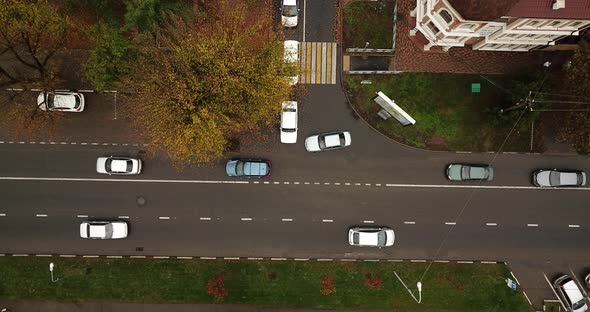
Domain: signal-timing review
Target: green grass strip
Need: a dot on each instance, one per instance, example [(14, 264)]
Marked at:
[(446, 286)]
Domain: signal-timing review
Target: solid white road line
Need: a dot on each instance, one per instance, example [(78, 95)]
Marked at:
[(121, 180)]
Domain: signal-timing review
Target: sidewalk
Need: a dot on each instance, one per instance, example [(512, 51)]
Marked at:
[(44, 306)]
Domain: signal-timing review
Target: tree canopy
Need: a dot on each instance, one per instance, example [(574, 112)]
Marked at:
[(219, 79)]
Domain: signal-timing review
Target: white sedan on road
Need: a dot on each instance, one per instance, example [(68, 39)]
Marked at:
[(118, 165), (327, 141), (371, 236), (289, 122), (103, 230), (71, 102), (559, 178)]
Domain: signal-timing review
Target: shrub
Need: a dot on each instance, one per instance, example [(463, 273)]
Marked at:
[(372, 281), (327, 285), (216, 287)]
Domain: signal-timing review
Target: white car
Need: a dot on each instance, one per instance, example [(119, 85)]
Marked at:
[(371, 236), (118, 165), (289, 13), (327, 141), (570, 294), (71, 102), (289, 122), (103, 230), (291, 54), (559, 178)]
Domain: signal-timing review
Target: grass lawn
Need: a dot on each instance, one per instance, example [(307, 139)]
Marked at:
[(448, 116), (446, 287), (368, 21)]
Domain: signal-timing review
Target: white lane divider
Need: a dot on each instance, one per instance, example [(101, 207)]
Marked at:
[(164, 218), (368, 221), (41, 215), (491, 224), (573, 225), (205, 219), (82, 216), (450, 223), (246, 219), (327, 220), (409, 222), (123, 217), (2, 215), (287, 220), (532, 225)]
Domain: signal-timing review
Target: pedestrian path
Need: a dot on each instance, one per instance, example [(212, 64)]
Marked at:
[(318, 62)]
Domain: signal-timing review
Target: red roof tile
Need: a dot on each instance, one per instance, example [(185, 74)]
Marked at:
[(574, 9)]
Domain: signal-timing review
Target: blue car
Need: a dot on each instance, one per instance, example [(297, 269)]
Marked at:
[(248, 168)]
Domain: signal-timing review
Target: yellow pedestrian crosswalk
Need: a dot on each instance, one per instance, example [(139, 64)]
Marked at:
[(318, 62)]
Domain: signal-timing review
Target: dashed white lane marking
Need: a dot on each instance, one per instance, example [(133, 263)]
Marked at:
[(205, 219), (164, 218), (121, 180), (2, 215), (278, 259), (532, 225), (287, 220), (450, 223), (409, 222), (491, 224), (573, 225), (41, 215), (123, 217), (82, 216), (368, 221), (337, 183), (286, 182), (246, 219), (327, 220)]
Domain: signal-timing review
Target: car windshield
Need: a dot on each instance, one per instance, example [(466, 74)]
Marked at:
[(579, 304), (290, 10), (381, 238), (77, 105), (49, 97), (108, 230), (240, 168), (355, 238), (554, 178)]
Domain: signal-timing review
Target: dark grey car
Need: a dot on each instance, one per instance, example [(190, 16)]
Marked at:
[(463, 172)]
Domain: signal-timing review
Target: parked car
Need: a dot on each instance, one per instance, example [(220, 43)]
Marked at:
[(371, 236), (587, 280), (558, 178), (570, 294), (248, 168), (327, 141), (463, 172), (118, 165), (291, 54), (289, 12), (103, 230), (289, 122), (71, 102)]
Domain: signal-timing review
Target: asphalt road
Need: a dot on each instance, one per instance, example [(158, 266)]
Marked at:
[(49, 185)]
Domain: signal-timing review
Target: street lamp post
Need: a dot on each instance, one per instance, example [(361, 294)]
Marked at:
[(418, 285), (51, 266)]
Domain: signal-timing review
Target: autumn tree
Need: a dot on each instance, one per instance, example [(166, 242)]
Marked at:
[(32, 32), (221, 78), (574, 128)]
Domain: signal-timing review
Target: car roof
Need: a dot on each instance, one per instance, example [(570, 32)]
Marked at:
[(255, 168), (289, 119), (119, 165), (568, 178), (477, 172), (368, 238), (64, 100), (332, 140), (97, 230), (573, 291)]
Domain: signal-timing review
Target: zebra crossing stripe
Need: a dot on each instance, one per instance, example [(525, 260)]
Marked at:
[(334, 62), (323, 76), (318, 62), (329, 61), (302, 75)]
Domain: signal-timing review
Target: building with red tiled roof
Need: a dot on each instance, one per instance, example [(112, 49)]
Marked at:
[(497, 25)]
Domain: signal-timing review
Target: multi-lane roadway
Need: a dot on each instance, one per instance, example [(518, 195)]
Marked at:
[(49, 185)]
